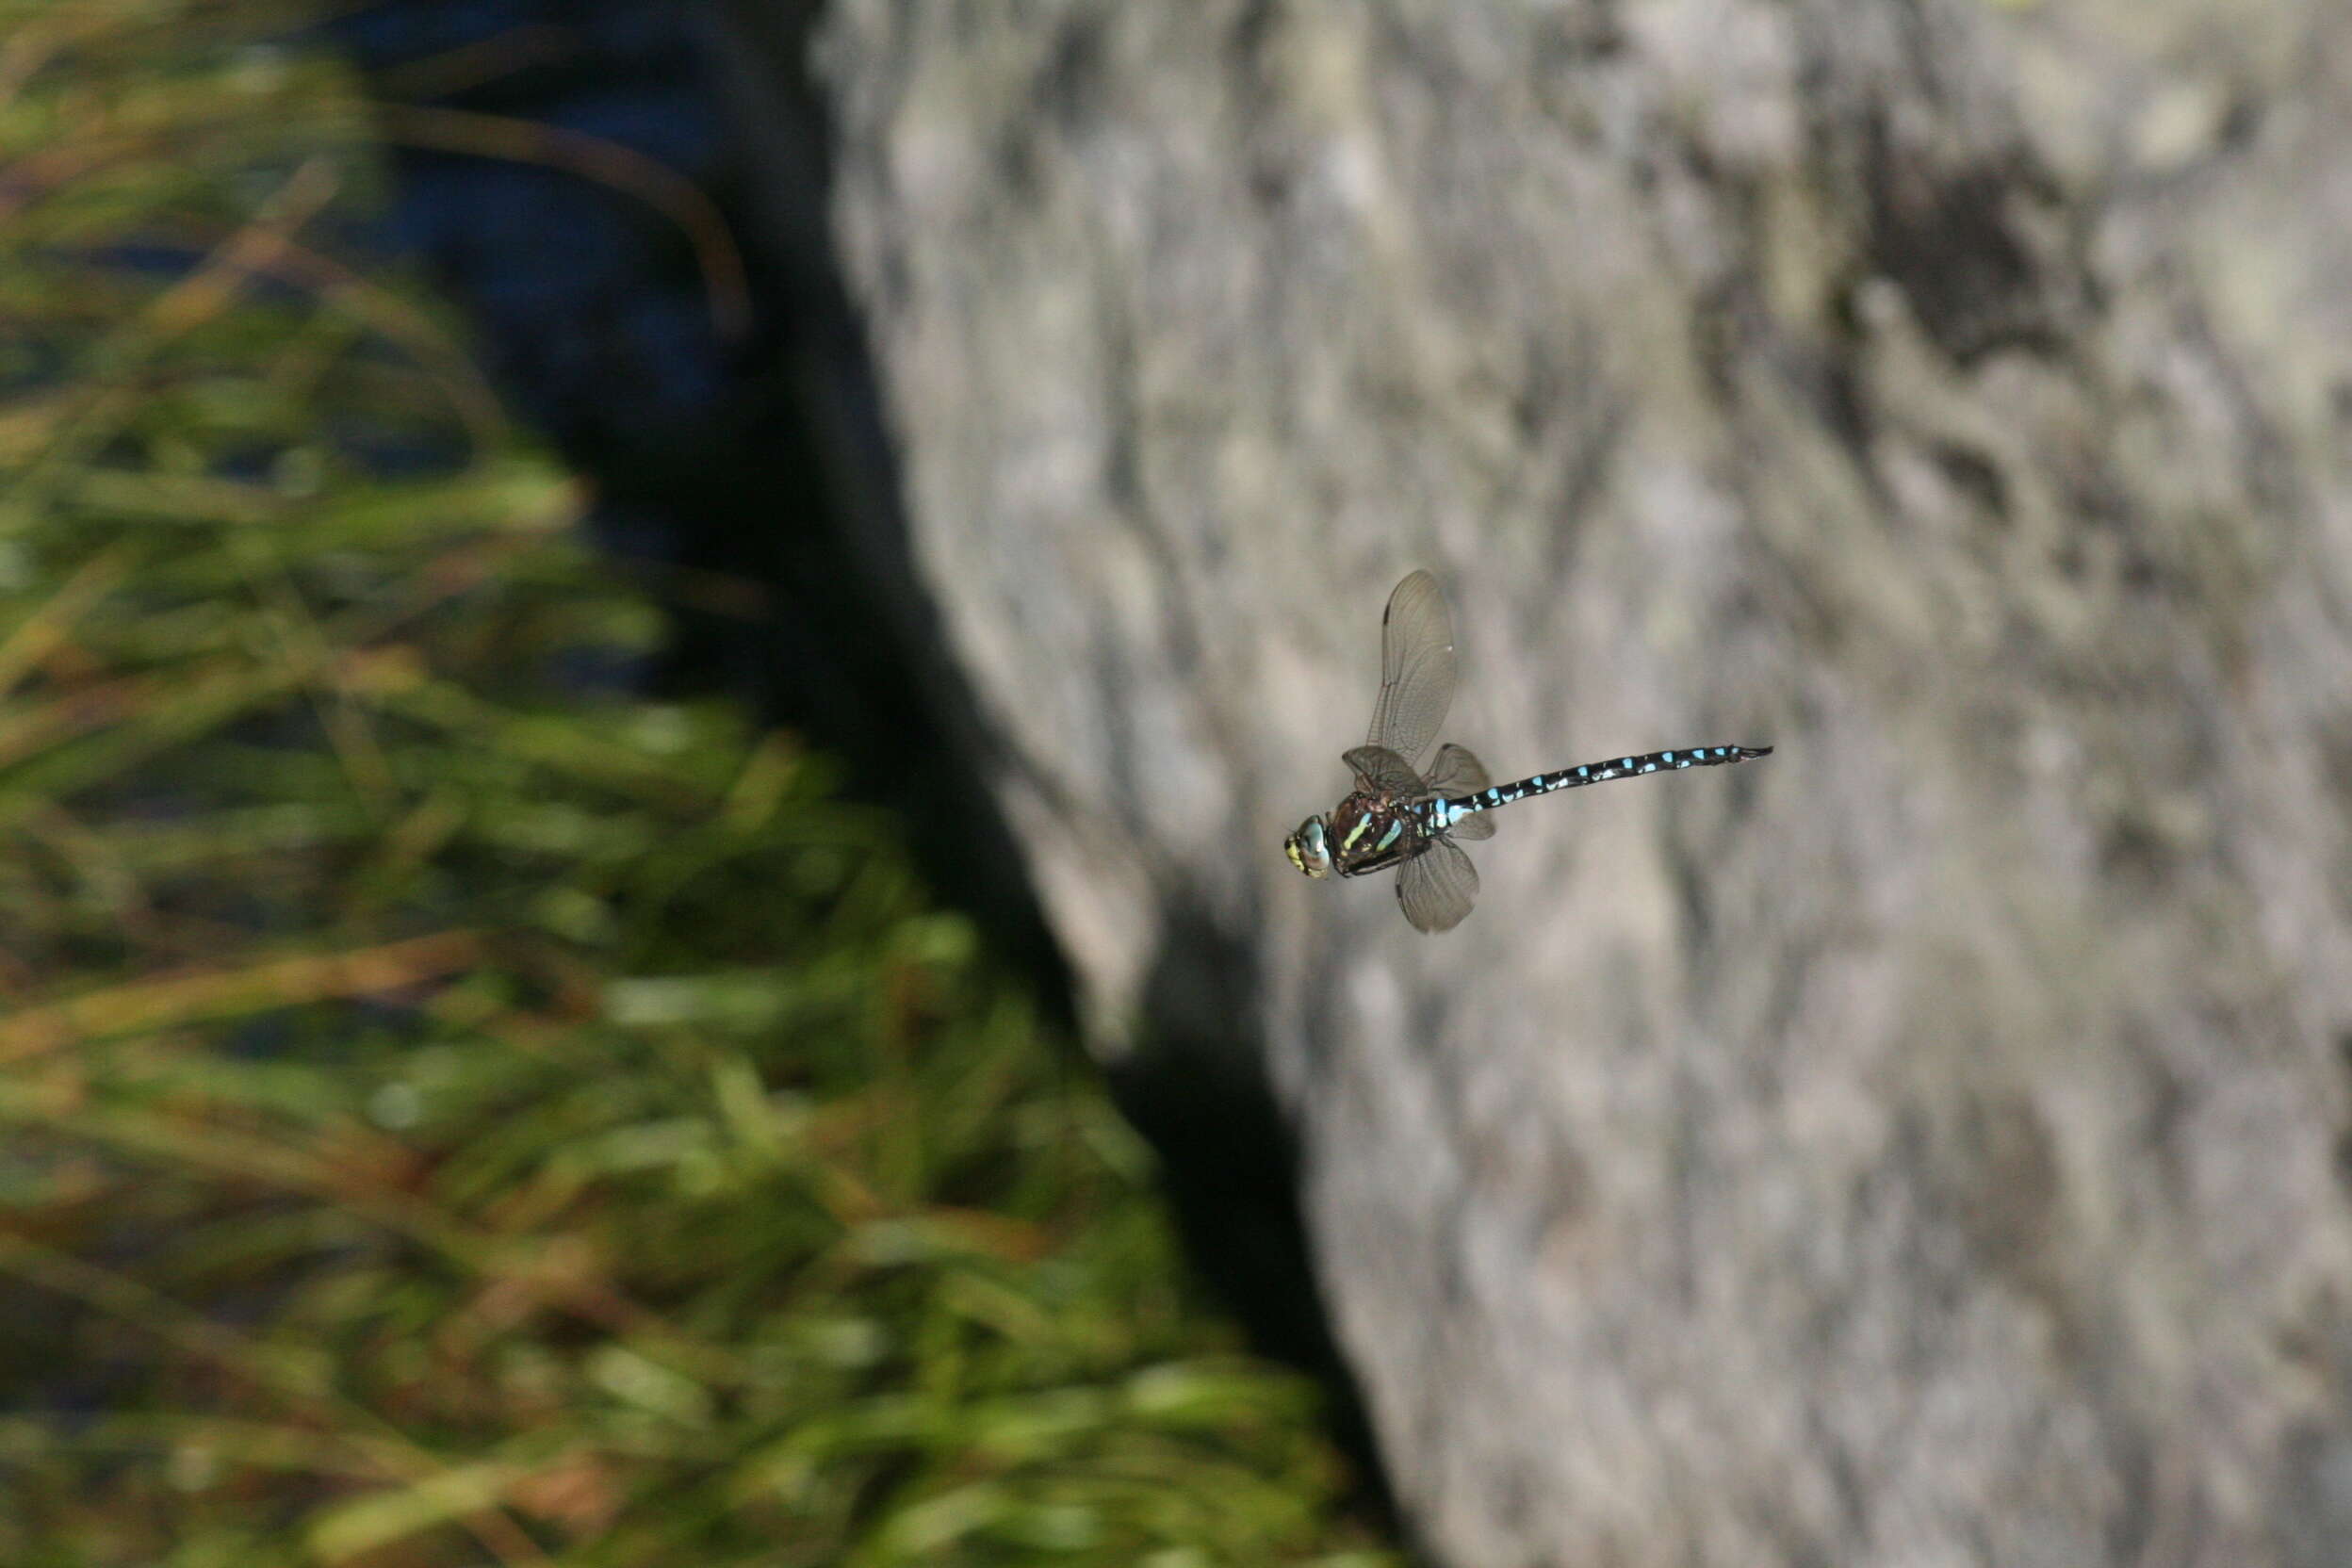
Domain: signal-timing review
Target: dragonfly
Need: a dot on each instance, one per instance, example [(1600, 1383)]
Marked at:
[(1399, 816)]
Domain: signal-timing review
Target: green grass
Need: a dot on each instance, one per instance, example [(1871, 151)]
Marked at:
[(448, 1115)]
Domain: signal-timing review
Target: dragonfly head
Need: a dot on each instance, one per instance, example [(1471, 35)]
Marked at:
[(1308, 848)]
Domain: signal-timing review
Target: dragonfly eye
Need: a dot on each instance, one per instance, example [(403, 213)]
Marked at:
[(1308, 850)]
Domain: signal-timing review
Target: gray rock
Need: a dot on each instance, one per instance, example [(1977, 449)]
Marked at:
[(1919, 1148)]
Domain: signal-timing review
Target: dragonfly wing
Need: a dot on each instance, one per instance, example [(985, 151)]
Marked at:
[(1436, 886), (1457, 773), (1378, 768), (1417, 668), (1472, 829)]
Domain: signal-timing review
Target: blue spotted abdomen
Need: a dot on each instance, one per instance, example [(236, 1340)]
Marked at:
[(1444, 813)]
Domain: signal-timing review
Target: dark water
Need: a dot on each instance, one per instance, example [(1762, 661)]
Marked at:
[(695, 401)]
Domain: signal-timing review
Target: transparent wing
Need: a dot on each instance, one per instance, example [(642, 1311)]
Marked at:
[(1436, 886), (1457, 773), (1417, 668), (1378, 768)]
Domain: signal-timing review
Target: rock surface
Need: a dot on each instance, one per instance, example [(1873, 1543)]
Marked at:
[(1921, 1147)]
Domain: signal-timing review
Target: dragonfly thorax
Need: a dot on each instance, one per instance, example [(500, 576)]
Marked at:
[(1310, 848), (1372, 830)]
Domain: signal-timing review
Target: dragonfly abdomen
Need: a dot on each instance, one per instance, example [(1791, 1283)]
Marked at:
[(1445, 812)]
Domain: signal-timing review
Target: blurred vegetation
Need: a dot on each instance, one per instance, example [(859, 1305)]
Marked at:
[(454, 1112)]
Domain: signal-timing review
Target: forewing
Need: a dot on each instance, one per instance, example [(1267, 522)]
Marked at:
[(1436, 886), (1417, 668), (1378, 768), (1458, 772)]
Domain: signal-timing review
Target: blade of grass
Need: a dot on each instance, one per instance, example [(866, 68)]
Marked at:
[(131, 1302), (211, 996), (52, 621)]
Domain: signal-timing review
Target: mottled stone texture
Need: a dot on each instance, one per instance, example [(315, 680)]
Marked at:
[(1920, 1148)]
